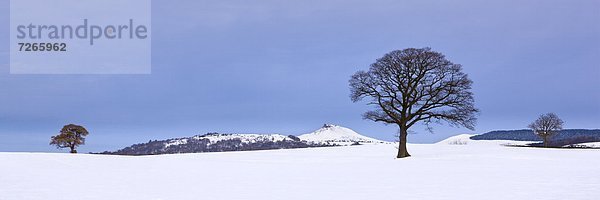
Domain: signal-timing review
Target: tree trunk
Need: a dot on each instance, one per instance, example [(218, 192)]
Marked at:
[(73, 149), (402, 152), (545, 141)]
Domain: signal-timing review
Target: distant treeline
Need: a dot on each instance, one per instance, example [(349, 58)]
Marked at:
[(565, 137)]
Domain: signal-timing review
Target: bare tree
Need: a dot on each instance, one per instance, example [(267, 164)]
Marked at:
[(415, 85), (70, 136), (546, 126)]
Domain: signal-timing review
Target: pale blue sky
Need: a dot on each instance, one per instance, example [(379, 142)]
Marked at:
[(283, 67)]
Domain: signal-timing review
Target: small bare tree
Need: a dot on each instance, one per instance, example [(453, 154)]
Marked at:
[(415, 85), (546, 126), (70, 136)]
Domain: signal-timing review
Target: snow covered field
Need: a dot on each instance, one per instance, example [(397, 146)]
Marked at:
[(475, 170)]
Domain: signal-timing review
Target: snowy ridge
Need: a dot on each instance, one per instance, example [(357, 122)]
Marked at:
[(216, 142), (244, 138), (175, 142), (462, 139), (328, 135), (587, 144), (465, 139), (335, 134)]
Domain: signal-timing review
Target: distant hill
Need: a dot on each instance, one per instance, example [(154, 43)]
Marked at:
[(335, 134), (215, 142), (328, 135), (565, 137)]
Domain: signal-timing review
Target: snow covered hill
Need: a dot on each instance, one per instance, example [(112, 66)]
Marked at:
[(328, 135), (586, 145), (216, 142), (471, 172), (213, 138), (465, 139), (462, 139), (334, 134), (513, 139)]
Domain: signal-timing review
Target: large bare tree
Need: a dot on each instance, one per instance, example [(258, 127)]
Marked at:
[(415, 85), (546, 126)]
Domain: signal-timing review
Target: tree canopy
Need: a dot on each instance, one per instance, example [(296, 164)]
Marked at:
[(546, 126), (70, 136), (415, 85)]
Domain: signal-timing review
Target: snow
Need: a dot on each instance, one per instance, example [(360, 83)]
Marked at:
[(462, 139), (477, 170), (176, 142), (589, 144), (215, 137), (465, 139), (328, 134), (245, 138), (335, 134)]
